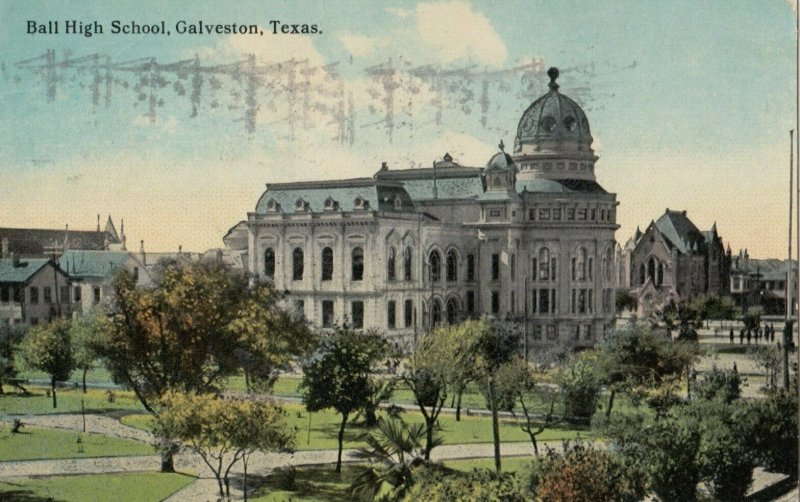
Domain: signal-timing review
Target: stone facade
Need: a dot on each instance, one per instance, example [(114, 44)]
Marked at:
[(530, 237)]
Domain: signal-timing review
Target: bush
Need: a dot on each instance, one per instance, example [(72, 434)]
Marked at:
[(583, 473), (580, 384), (774, 432), (720, 385), (437, 484)]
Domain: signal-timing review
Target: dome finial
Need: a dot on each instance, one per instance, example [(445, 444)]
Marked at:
[(553, 74), (501, 146)]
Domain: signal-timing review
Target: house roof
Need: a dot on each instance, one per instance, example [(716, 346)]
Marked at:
[(380, 195), (23, 271), (681, 233), (38, 242), (93, 264)]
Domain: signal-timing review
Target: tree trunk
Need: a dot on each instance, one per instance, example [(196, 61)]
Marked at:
[(341, 441), (244, 485), (458, 405), (167, 460), (610, 403), (85, 369), (495, 424), (53, 388), (428, 438)]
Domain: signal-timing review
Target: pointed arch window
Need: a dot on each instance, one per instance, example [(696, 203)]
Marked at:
[(651, 270), (357, 258), (452, 266), (327, 264), (435, 263), (297, 264), (437, 314), (407, 263), (452, 312), (391, 273), (269, 263), (642, 275), (660, 274)]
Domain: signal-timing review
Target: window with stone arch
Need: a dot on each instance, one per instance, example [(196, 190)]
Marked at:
[(642, 274), (408, 256), (452, 266), (297, 264), (544, 264), (269, 263), (436, 319), (660, 274), (579, 265), (391, 270), (357, 264), (651, 270), (452, 312), (435, 264), (327, 264)]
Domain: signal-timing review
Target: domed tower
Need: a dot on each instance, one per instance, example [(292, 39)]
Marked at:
[(553, 139)]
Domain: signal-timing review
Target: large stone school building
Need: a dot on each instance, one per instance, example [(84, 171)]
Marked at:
[(528, 237)]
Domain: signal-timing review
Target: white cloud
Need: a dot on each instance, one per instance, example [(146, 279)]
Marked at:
[(793, 5), (274, 48), (453, 31), (361, 46)]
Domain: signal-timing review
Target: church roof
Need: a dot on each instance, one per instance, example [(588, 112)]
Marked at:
[(559, 186), (33, 242), (22, 272), (452, 183), (679, 230), (345, 194), (85, 264)]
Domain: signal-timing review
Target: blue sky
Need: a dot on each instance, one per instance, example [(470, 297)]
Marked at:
[(690, 104)]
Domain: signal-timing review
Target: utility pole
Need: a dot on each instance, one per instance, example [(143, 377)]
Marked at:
[(789, 302)]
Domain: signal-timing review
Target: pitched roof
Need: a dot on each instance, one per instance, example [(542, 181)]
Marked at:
[(85, 264), (38, 242), (22, 272), (679, 230), (451, 182), (380, 195), (559, 186)]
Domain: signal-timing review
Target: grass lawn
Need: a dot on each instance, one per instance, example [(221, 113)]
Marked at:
[(98, 374), (315, 484), (128, 487), (508, 464), (33, 444), (69, 401), (325, 427)]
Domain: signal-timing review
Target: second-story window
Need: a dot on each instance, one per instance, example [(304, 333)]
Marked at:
[(407, 263), (297, 264), (327, 264), (452, 266), (358, 264), (435, 263), (269, 263), (470, 267), (495, 267), (391, 273)]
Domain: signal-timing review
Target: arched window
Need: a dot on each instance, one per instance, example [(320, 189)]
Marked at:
[(452, 266), (390, 265), (579, 265), (452, 311), (660, 275), (609, 265), (437, 313), (358, 264), (327, 264), (544, 264), (642, 274), (269, 263), (651, 270), (591, 268), (435, 263), (297, 264), (407, 262)]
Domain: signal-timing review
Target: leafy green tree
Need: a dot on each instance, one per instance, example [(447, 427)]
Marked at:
[(585, 473), (10, 337), (626, 301), (186, 333), (752, 318), (769, 358), (338, 374), (394, 451), (48, 348), (580, 386), (774, 435), (719, 385), (223, 431), (682, 316), (82, 334)]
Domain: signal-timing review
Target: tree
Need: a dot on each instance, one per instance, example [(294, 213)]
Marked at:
[(10, 337), (721, 385), (48, 348), (338, 374), (185, 333), (580, 387), (752, 318), (585, 473), (394, 451), (437, 484), (222, 431), (82, 332), (769, 357), (774, 436), (626, 301), (683, 317)]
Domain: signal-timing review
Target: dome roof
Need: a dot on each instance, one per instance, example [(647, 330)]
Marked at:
[(553, 117), (500, 160)]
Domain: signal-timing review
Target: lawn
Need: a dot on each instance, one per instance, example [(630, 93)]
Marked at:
[(34, 444), (325, 427), (69, 401), (128, 487)]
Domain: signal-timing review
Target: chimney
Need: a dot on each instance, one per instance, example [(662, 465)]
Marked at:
[(122, 237), (142, 254), (14, 260), (98, 222), (4, 248)]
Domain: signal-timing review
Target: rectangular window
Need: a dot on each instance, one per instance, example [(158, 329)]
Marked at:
[(470, 302), (594, 214), (553, 269), (470, 267), (4, 294), (96, 298), (77, 294), (588, 333), (544, 213), (513, 303), (495, 267), (557, 213), (531, 214), (18, 295), (544, 301), (48, 294), (494, 213), (582, 214), (552, 334), (390, 314), (64, 294), (408, 313), (34, 293), (574, 303), (513, 267), (571, 213), (495, 302), (327, 313), (358, 315), (590, 301), (537, 332)]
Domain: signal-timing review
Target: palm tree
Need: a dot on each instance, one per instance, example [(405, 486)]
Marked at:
[(394, 451)]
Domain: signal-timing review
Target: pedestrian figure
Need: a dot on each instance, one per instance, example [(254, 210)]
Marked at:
[(741, 337), (735, 371), (731, 336), (749, 336)]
